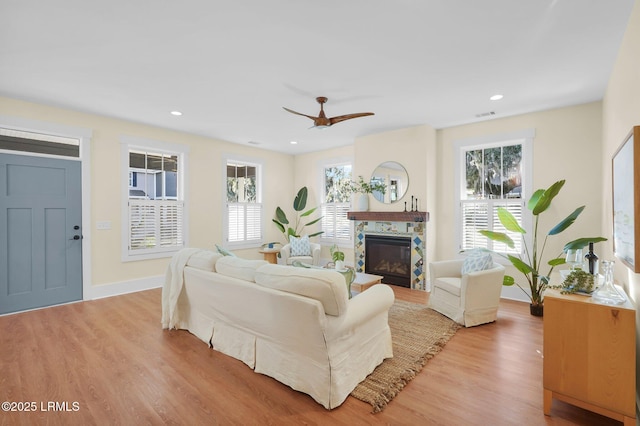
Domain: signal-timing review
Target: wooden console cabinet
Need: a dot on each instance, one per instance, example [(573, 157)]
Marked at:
[(590, 355)]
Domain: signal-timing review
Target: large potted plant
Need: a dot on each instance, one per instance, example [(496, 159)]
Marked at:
[(530, 264), (299, 205)]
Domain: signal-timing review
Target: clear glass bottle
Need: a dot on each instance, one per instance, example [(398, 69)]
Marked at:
[(608, 293)]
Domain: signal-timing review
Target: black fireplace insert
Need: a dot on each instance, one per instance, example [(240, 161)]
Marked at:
[(389, 256)]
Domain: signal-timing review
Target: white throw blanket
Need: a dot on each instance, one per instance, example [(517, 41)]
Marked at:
[(172, 288)]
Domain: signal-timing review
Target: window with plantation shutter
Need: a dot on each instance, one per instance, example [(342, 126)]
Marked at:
[(156, 225), (243, 227), (336, 227), (491, 175), (155, 208), (335, 224)]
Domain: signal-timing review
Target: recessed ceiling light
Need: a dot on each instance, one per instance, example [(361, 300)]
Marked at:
[(177, 113), (496, 97), (294, 142)]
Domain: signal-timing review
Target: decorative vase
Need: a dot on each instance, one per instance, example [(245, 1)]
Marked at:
[(536, 310), (362, 202), (339, 265), (608, 293)]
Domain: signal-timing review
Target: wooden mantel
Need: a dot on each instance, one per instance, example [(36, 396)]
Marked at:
[(390, 216)]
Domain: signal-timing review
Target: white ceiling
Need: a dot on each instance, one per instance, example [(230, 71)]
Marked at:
[(230, 67)]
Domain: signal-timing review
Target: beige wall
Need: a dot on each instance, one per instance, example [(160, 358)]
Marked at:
[(621, 111), (205, 186), (408, 147), (566, 146)]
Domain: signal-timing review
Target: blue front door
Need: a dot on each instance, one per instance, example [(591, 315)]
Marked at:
[(40, 232)]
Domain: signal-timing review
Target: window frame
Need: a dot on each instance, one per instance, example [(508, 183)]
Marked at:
[(323, 238), (259, 165), (130, 143), (523, 137)]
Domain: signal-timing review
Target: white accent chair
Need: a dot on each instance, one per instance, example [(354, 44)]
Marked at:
[(470, 299), (314, 259)]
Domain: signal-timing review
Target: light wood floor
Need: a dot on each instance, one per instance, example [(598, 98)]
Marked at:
[(112, 358)]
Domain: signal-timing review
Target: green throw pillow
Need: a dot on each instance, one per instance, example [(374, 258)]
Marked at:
[(223, 251)]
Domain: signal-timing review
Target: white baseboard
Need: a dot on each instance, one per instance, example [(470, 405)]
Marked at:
[(124, 287)]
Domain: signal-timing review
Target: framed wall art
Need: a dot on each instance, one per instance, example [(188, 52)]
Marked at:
[(626, 200)]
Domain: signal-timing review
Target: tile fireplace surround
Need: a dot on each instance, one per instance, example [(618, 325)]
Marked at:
[(410, 224)]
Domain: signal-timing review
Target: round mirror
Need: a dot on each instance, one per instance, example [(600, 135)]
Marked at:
[(394, 176)]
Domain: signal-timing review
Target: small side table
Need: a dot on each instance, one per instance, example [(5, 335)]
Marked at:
[(270, 254), (364, 281)]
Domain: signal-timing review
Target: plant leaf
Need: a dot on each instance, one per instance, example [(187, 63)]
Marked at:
[(282, 217), (292, 231), (520, 265), (308, 212), (509, 221), (582, 242), (316, 234), (313, 221), (534, 199), (498, 236), (508, 280), (557, 261), (549, 194), (566, 222), (300, 202), (279, 225)]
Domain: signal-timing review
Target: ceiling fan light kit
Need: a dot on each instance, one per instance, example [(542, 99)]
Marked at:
[(322, 121)]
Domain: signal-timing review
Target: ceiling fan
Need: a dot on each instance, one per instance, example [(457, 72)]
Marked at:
[(322, 121)]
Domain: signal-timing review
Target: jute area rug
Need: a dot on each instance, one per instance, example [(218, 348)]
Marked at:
[(418, 334)]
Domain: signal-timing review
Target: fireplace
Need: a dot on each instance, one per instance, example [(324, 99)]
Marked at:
[(389, 256)]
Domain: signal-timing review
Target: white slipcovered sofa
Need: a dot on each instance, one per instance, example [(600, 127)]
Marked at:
[(296, 325)]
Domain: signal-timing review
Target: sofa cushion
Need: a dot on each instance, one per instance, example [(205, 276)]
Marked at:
[(476, 260), (236, 267), (300, 246), (449, 284), (325, 285), (204, 259)]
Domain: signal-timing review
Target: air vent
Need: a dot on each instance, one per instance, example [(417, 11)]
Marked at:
[(485, 114)]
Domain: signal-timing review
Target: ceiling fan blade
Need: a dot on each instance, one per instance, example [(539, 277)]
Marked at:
[(339, 118), (299, 113)]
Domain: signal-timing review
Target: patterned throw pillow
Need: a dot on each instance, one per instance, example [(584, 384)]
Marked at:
[(300, 246), (476, 260)]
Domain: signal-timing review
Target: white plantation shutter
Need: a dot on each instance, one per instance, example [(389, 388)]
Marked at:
[(155, 225), (335, 223), (474, 219), (483, 214), (244, 222)]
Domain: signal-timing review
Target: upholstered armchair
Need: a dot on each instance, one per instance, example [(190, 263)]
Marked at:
[(470, 298), (312, 259)]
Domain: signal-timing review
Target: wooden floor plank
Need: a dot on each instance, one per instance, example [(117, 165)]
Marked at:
[(111, 357)]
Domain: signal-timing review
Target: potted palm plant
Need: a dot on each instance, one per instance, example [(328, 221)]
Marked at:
[(530, 263)]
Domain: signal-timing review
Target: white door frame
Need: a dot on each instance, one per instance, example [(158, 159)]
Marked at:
[(84, 136)]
